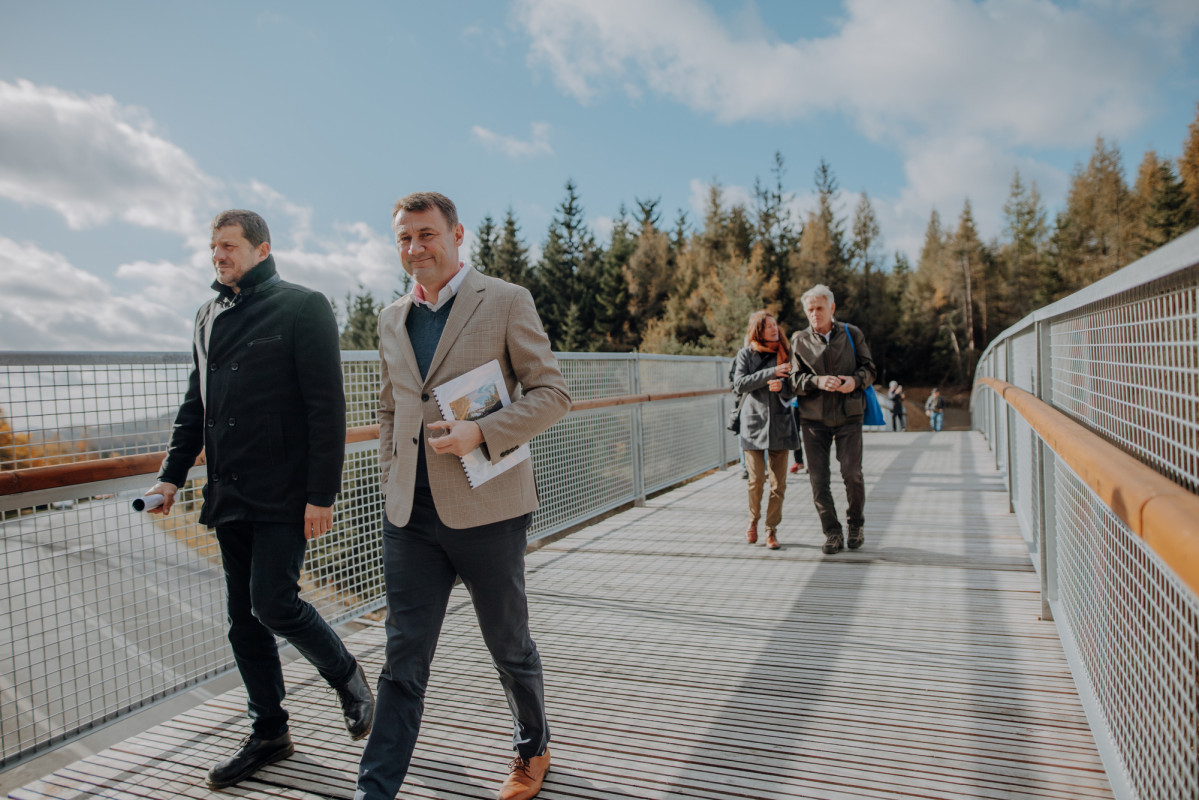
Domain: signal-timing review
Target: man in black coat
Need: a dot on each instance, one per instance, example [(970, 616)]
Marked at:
[(265, 402)]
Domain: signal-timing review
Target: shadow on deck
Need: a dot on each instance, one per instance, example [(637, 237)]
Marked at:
[(683, 663)]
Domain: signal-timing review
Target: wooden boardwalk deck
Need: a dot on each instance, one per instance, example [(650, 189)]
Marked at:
[(683, 663)]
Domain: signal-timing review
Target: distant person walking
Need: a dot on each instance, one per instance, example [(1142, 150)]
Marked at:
[(934, 406), (767, 426), (830, 367), (899, 419)]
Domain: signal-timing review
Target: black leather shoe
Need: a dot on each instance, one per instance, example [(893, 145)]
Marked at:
[(832, 543), (357, 704), (857, 537), (253, 755)]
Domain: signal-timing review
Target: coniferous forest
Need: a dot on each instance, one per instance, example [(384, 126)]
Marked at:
[(687, 286)]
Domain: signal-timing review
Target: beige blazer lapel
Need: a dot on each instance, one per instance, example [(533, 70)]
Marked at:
[(468, 298), (406, 351)]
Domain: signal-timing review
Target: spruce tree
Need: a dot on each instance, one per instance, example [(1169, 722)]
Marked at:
[(612, 291), (566, 248), (1188, 170), (511, 261), (361, 329), (482, 255), (1024, 251), (1161, 204), (1095, 231), (822, 256), (869, 311)]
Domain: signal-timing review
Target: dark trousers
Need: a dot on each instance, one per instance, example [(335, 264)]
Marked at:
[(798, 452), (818, 440), (421, 562), (262, 562)]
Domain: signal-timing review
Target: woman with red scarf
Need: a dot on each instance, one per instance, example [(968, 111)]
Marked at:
[(768, 429)]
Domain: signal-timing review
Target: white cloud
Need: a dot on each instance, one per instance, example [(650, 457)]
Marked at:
[(941, 82), (52, 305), (512, 147), (1028, 71), (93, 160)]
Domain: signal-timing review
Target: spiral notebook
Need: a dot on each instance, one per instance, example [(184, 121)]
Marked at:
[(472, 396)]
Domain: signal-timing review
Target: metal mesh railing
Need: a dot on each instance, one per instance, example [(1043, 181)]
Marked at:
[(62, 407), (1122, 359), (1128, 368), (106, 610), (1136, 628)]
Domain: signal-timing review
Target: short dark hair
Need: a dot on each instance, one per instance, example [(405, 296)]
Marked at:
[(253, 226), (423, 201)]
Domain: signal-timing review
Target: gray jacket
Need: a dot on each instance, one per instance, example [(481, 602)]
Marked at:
[(812, 356), (766, 420)]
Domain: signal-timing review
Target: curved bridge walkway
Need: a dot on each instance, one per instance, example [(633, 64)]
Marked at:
[(683, 663)]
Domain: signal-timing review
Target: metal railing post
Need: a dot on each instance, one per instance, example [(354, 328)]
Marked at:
[(638, 435), (1047, 467)]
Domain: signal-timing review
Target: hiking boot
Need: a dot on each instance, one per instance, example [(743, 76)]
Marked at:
[(857, 537), (832, 543)]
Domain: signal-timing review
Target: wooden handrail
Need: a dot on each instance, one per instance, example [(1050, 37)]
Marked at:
[(32, 479), (1162, 513)]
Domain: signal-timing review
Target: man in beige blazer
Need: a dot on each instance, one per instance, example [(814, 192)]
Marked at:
[(437, 528)]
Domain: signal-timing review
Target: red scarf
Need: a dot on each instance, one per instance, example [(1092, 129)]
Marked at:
[(779, 348)]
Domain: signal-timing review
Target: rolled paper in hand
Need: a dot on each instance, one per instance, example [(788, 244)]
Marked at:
[(148, 502)]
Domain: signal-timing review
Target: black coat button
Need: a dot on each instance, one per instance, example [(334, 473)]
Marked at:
[(424, 397), (213, 367), (233, 476), (216, 478), (211, 422), (233, 366), (232, 422), (415, 440)]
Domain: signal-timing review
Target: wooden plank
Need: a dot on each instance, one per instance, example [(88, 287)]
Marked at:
[(683, 663)]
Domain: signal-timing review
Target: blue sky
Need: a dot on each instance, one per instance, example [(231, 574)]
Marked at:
[(124, 126)]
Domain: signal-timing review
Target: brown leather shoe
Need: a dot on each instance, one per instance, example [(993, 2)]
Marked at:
[(524, 777), (751, 533), (771, 540)]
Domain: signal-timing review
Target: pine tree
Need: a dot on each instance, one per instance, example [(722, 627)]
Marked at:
[(1096, 230), (966, 251), (361, 330), (776, 238), (1161, 204), (556, 280), (648, 277), (869, 311), (1188, 171), (511, 261), (1023, 255), (822, 255), (482, 255), (612, 290)]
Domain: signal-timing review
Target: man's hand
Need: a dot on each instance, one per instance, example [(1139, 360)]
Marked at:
[(848, 384), (461, 436), (167, 490), (318, 520), (829, 383), (775, 385)]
